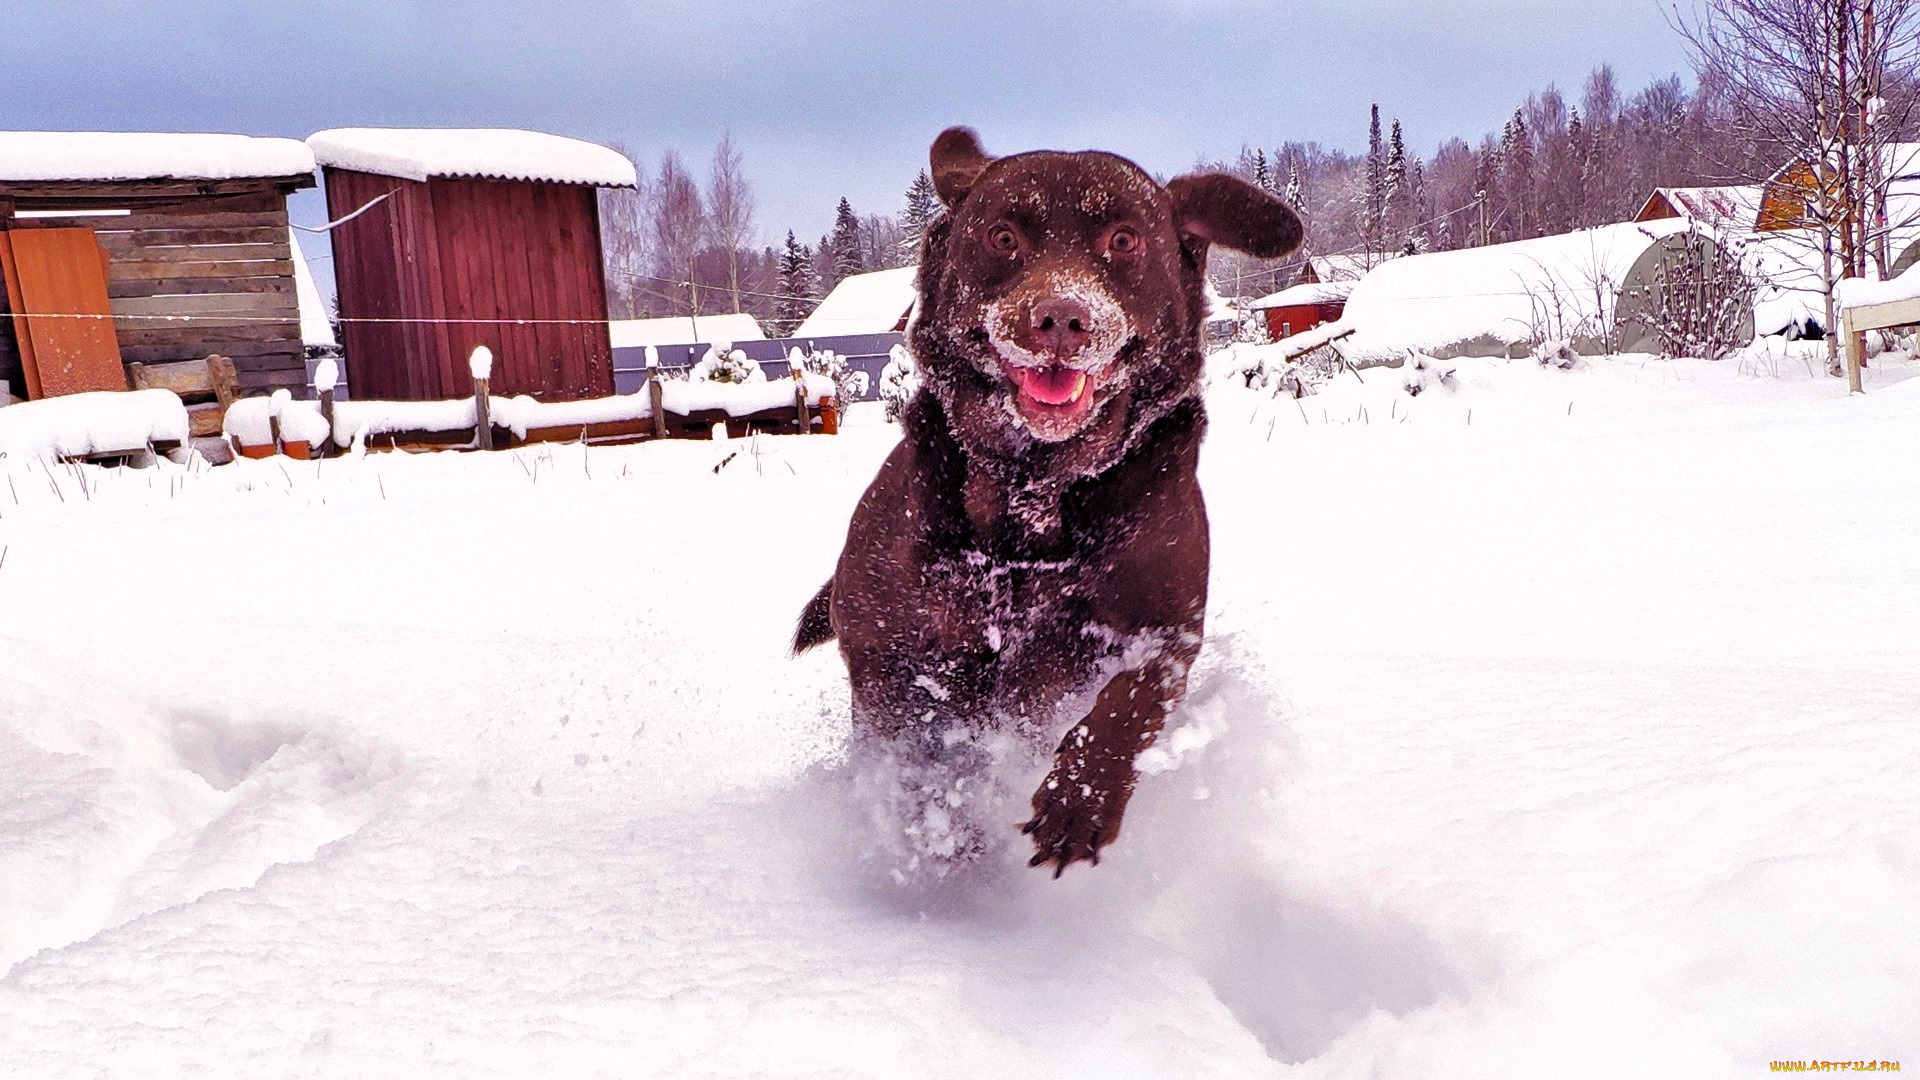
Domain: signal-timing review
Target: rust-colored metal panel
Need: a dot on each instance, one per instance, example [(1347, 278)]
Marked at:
[(23, 341), (62, 274)]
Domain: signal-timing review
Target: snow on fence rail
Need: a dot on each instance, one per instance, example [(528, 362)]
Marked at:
[(260, 426)]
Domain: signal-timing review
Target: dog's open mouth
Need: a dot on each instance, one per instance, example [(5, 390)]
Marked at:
[(1053, 400)]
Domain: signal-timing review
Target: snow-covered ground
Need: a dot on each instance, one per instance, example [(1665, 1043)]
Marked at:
[(1549, 724)]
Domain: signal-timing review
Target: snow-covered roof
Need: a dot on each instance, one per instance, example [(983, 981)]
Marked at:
[(1902, 160), (685, 330), (29, 156), (486, 153), (315, 328), (1351, 266), (1557, 285), (1734, 206), (872, 303), (1313, 292)]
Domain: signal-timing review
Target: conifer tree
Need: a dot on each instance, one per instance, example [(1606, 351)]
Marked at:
[(1373, 214), (844, 243), (1516, 160), (923, 205), (796, 286), (1296, 195), (1262, 175), (1395, 197)]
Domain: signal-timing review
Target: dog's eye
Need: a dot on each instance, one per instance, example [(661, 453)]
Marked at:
[(1123, 242), (1002, 239)]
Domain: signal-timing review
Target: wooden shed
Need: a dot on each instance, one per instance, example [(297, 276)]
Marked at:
[(1734, 207), (1301, 308), (467, 238), (120, 248)]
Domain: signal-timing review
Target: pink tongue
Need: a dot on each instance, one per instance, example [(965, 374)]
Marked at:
[(1052, 385)]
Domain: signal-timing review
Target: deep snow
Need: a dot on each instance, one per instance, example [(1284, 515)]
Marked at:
[(1559, 724)]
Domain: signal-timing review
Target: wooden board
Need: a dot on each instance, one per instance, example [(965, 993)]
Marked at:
[(135, 239), (133, 351), (279, 286), (61, 273), (247, 303), (1881, 316), (154, 271), (200, 253)]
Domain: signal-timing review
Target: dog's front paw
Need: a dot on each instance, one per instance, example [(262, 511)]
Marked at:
[(1075, 814)]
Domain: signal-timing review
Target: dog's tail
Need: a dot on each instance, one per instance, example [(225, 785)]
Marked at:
[(816, 621)]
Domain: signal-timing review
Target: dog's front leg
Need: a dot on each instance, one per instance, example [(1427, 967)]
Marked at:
[(1077, 809)]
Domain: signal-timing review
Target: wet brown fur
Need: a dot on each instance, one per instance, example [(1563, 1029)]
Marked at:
[(993, 579)]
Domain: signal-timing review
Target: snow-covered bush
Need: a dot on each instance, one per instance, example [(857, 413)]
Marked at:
[(1699, 299), (1423, 373), (849, 385), (1251, 327), (899, 380), (723, 363), (1557, 353), (1298, 377)]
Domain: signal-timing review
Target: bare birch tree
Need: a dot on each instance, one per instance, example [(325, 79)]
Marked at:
[(626, 237), (730, 209), (679, 226)]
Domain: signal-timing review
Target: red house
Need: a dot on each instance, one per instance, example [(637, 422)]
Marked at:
[(465, 238), (1301, 308)]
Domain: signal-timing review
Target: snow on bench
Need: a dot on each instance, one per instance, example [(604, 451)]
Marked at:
[(1855, 293), (102, 422), (1874, 305)]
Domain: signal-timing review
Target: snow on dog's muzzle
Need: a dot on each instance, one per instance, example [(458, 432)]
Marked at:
[(1057, 343)]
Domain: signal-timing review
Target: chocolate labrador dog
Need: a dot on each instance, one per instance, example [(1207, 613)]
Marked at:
[(1032, 558)]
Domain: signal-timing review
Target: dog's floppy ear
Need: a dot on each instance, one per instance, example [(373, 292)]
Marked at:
[(1226, 210), (957, 162)]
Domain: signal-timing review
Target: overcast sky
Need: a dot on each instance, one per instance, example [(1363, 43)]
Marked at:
[(825, 99)]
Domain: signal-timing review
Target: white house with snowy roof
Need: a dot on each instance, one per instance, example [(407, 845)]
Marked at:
[(731, 328), (872, 303)]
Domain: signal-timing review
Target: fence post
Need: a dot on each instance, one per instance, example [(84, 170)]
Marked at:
[(800, 399), (277, 401), (326, 376), (654, 395), (481, 366)]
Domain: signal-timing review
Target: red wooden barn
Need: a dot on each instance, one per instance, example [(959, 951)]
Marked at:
[(1301, 308), (466, 238)]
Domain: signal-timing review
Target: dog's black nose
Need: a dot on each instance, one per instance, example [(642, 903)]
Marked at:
[(1061, 326)]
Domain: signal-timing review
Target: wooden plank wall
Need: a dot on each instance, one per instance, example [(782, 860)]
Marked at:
[(367, 269), (467, 257), (217, 253), (228, 265)]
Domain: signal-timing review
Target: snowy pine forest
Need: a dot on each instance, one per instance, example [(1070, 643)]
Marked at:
[(1562, 160)]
